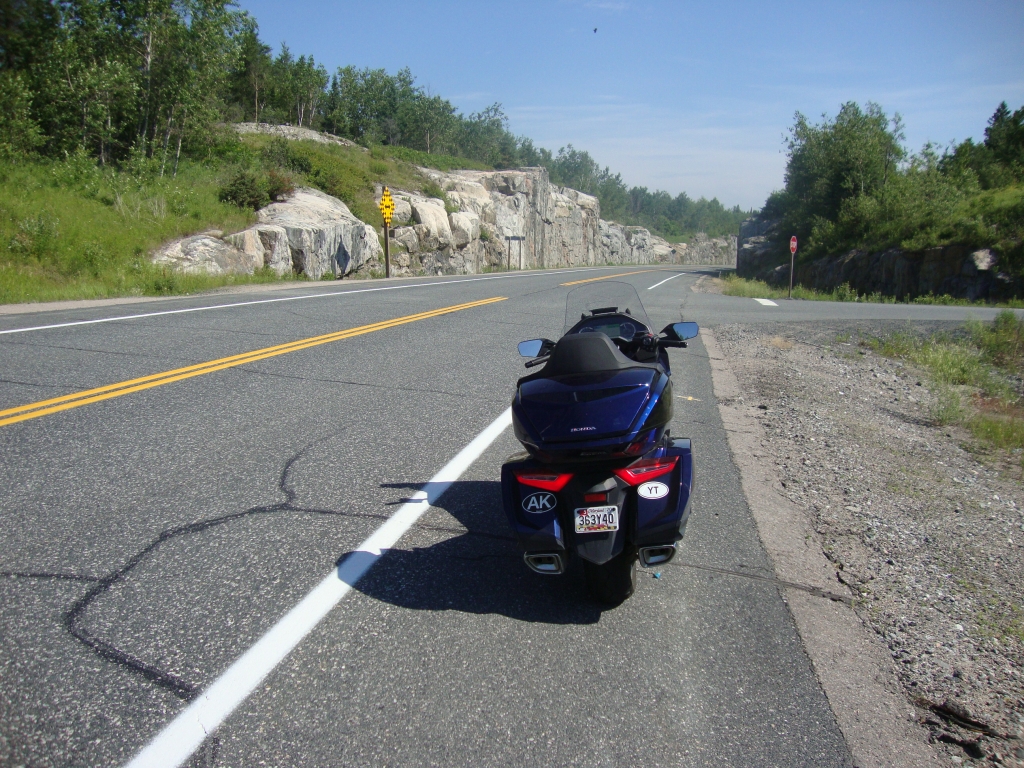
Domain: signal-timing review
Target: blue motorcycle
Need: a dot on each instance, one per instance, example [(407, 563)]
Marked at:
[(600, 477)]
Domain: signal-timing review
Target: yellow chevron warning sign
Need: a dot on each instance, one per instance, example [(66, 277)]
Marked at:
[(387, 206)]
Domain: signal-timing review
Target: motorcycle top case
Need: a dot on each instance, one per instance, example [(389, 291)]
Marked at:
[(589, 393), (592, 406)]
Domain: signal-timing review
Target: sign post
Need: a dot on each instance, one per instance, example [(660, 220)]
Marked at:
[(508, 243), (792, 259), (387, 210)]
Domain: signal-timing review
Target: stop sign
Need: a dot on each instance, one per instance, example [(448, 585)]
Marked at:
[(792, 244)]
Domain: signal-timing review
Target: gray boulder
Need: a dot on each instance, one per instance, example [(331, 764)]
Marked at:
[(323, 235), (403, 211), (203, 254), (267, 245), (407, 237), (465, 227), (432, 226)]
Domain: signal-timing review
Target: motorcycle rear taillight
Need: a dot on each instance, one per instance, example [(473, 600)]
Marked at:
[(641, 471), (546, 481), (642, 444), (595, 498)]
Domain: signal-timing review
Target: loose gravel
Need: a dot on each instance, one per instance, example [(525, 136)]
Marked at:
[(926, 531)]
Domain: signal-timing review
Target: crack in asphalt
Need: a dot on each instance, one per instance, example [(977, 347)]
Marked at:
[(390, 386), (32, 384), (816, 591), (74, 618), (65, 348), (49, 576)]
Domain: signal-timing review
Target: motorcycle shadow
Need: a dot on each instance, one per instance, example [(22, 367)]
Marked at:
[(479, 570)]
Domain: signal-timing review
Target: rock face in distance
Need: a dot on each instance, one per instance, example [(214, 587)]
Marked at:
[(524, 221), (501, 219), (755, 253), (295, 133), (954, 270)]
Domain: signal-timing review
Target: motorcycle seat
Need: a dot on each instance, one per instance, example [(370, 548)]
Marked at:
[(585, 353)]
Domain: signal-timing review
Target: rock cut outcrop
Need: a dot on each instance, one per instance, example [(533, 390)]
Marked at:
[(310, 233), (487, 220)]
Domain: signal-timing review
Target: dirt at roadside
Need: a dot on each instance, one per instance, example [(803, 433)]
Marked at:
[(927, 533)]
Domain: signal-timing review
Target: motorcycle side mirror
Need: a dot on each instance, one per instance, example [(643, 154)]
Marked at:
[(681, 331), (535, 347)]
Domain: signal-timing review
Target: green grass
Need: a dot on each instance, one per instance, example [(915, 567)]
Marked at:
[(757, 289), (443, 163), (69, 230), (976, 376), (348, 173)]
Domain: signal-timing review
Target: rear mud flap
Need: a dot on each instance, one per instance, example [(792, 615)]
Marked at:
[(599, 548)]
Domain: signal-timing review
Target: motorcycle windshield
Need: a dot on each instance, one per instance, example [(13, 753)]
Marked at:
[(604, 297)]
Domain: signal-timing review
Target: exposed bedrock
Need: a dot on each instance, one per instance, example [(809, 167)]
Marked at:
[(488, 220), (520, 220), (310, 233), (953, 270)]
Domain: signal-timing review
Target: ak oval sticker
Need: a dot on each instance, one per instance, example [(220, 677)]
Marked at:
[(653, 490), (539, 502)]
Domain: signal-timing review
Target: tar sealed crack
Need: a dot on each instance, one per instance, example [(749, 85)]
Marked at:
[(74, 619)]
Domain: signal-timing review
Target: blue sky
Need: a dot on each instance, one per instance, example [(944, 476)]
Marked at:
[(682, 96)]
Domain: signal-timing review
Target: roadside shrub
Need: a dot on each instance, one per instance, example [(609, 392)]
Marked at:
[(1001, 343), (279, 185), (432, 189), (246, 189), (947, 408)]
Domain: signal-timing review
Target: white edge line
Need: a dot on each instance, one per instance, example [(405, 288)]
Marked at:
[(186, 732), (529, 273), (666, 280), (766, 302)]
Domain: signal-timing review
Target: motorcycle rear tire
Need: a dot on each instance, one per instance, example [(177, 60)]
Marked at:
[(613, 582)]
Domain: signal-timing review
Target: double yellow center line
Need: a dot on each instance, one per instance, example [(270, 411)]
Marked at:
[(65, 402)]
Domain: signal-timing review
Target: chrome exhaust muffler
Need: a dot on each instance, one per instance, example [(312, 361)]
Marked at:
[(549, 564), (657, 555)]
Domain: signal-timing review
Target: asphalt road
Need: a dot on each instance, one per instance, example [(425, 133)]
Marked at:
[(149, 539)]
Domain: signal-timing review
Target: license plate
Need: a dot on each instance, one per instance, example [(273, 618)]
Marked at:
[(597, 519)]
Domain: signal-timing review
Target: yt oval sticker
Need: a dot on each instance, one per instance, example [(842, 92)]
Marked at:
[(653, 490), (539, 502)]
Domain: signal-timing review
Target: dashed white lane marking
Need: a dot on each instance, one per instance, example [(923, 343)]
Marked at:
[(665, 281), (766, 302), (186, 732), (529, 273)]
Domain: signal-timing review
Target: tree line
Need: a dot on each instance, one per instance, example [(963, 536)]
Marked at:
[(851, 183), (117, 78)]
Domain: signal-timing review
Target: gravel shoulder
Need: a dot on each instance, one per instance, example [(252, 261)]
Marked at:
[(923, 534)]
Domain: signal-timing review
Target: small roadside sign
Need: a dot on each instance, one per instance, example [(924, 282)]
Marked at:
[(792, 256), (387, 206)]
